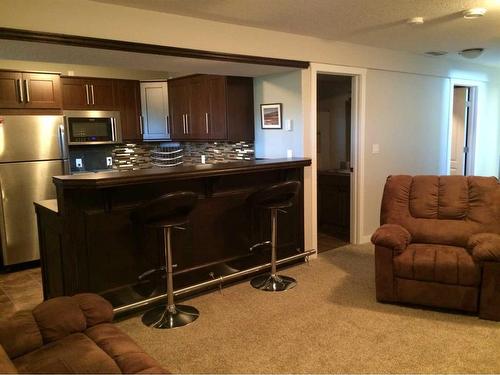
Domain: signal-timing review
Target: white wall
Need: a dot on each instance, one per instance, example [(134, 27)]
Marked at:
[(82, 70), (282, 88), (407, 116)]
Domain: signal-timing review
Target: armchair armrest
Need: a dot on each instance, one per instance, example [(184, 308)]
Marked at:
[(485, 247), (392, 236), (61, 316)]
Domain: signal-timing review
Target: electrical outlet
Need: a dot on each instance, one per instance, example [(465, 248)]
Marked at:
[(79, 163), (109, 161)]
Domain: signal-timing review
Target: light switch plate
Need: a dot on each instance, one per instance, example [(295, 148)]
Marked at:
[(288, 125), (79, 163), (375, 148), (109, 161)]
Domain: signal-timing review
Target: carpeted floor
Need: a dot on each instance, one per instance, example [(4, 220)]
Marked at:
[(329, 323)]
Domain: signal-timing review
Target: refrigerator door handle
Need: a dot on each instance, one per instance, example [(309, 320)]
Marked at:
[(3, 229), (62, 142)]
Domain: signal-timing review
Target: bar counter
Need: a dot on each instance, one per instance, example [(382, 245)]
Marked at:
[(90, 243)]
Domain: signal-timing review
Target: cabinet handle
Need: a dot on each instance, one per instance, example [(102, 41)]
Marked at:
[(183, 124), (167, 127), (141, 125), (20, 87), (87, 93), (187, 123), (92, 93), (27, 87), (206, 121)]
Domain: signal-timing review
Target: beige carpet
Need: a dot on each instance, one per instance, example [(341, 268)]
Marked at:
[(329, 323)]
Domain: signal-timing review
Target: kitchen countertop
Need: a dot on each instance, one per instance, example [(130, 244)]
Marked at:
[(50, 204), (141, 176)]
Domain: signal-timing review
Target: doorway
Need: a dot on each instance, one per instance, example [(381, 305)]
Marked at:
[(461, 160), (333, 148)]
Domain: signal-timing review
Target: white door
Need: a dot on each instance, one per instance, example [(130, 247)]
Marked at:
[(154, 105), (458, 131)]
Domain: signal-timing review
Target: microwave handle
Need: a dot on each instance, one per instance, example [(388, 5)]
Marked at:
[(113, 129)]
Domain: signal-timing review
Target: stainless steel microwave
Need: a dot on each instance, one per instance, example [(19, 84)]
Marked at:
[(93, 127)]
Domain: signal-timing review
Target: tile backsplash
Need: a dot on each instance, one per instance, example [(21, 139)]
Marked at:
[(167, 154), (93, 158)]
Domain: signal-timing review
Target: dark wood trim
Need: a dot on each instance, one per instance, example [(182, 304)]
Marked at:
[(155, 175), (120, 45)]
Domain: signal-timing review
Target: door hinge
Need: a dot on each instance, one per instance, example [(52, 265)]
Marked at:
[(466, 150)]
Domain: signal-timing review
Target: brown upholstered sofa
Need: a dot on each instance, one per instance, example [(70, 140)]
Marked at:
[(70, 335), (439, 243)]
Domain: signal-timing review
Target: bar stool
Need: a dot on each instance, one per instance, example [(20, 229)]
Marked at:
[(275, 198), (167, 212)]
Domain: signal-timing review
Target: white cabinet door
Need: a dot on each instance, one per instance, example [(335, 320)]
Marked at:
[(154, 103)]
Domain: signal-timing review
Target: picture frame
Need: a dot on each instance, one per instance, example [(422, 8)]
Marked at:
[(270, 116)]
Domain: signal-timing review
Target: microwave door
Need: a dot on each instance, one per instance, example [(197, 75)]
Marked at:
[(92, 130)]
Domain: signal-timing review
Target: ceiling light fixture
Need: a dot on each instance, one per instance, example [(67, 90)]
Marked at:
[(436, 53), (415, 21), (471, 53), (474, 13)]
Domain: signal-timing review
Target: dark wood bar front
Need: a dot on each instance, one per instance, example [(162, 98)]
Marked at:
[(89, 241)]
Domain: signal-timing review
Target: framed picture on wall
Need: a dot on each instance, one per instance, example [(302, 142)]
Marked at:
[(270, 116)]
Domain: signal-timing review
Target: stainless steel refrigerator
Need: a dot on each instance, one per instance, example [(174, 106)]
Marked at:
[(32, 150)]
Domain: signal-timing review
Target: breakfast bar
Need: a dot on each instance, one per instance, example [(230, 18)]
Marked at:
[(89, 241)]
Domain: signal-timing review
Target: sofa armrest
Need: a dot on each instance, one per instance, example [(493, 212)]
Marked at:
[(392, 236), (6, 365), (61, 316), (485, 247), (19, 334)]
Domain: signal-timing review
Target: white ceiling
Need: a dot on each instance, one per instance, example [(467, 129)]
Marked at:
[(378, 23)]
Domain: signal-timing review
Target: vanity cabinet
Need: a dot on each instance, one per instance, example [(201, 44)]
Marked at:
[(29, 90), (88, 93), (211, 107)]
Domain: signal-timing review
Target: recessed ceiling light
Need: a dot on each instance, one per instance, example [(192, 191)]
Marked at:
[(471, 53), (474, 13), (436, 53), (415, 21)]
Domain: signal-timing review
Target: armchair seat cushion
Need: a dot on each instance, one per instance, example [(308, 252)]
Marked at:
[(437, 263)]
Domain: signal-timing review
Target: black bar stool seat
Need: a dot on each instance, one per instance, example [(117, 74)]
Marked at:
[(275, 198), (167, 212)]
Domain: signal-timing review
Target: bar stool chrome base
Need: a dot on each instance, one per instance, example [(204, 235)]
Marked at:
[(273, 283), (162, 318)]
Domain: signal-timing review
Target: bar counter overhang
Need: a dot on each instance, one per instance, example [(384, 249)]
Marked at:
[(90, 243)]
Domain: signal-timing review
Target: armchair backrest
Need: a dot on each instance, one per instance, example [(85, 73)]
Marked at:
[(442, 209)]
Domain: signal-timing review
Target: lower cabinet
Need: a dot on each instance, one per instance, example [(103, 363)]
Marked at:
[(334, 199)]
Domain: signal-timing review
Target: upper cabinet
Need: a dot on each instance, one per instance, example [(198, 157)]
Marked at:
[(209, 107), (129, 103), (29, 90), (88, 93), (155, 125)]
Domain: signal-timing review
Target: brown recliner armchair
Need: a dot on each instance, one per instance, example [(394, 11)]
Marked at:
[(439, 243), (70, 335)]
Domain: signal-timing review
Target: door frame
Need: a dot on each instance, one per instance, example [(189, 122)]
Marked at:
[(475, 87), (357, 148)]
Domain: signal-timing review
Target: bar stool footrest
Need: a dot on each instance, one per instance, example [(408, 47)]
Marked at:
[(160, 317), (273, 283)]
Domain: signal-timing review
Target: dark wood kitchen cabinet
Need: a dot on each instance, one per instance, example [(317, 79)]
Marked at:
[(128, 97), (29, 90), (88, 93), (210, 107)]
